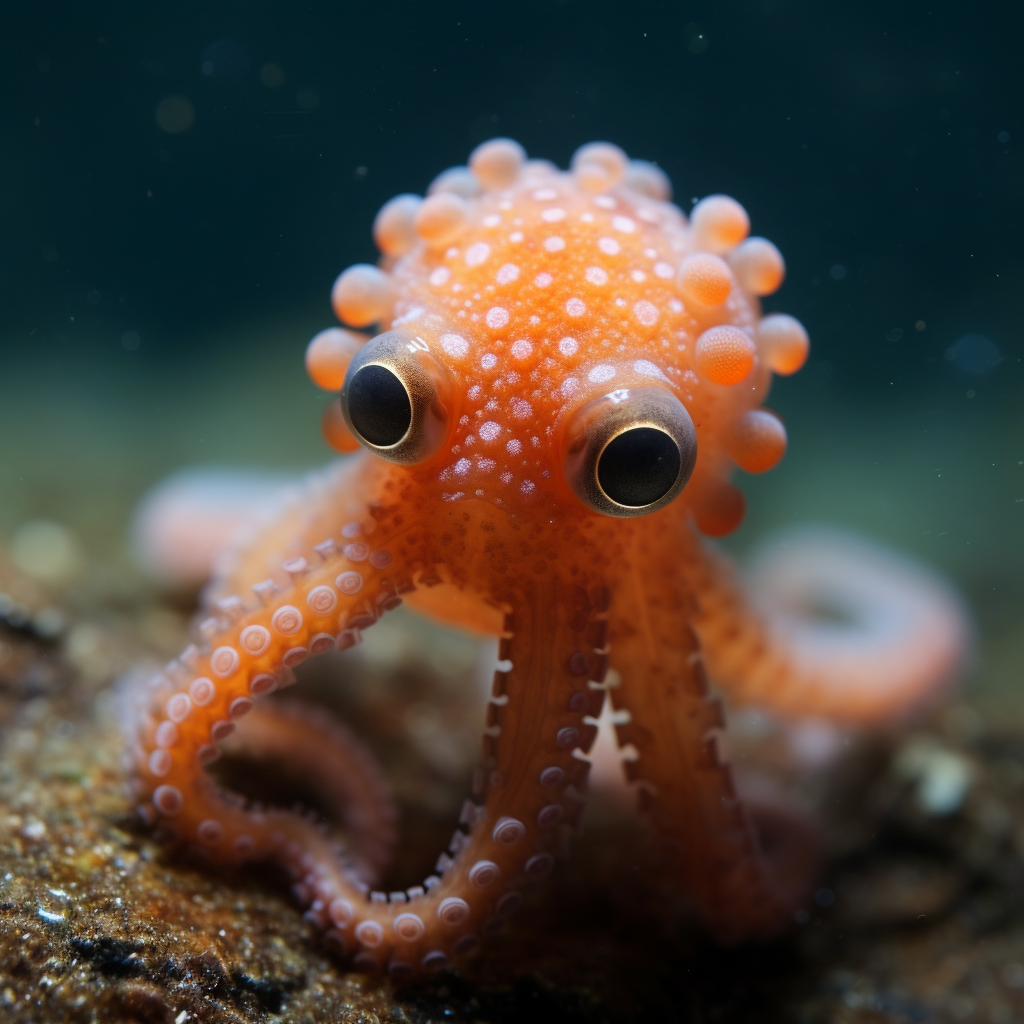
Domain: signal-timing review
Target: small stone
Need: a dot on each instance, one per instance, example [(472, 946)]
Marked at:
[(942, 776), (47, 551)]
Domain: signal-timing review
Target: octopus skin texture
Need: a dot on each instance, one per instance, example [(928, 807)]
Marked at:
[(560, 374)]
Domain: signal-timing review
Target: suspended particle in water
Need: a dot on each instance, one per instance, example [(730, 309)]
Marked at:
[(974, 353), (175, 114)]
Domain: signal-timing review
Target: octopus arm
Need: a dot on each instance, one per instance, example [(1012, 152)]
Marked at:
[(310, 744), (829, 625), (184, 523), (746, 868), (530, 784)]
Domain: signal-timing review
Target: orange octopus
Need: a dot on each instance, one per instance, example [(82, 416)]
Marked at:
[(564, 373)]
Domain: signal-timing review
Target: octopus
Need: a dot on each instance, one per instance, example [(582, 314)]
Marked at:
[(552, 376)]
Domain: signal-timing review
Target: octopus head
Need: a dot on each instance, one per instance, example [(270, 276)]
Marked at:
[(562, 343)]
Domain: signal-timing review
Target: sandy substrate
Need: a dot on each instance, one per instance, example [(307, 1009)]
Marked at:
[(919, 915)]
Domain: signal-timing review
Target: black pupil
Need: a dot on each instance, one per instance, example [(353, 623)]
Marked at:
[(379, 406), (639, 467)]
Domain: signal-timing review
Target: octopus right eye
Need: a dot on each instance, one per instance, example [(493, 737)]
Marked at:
[(631, 452), (391, 399)]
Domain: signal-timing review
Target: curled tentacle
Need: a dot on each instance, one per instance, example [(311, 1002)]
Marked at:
[(837, 627), (531, 778), (311, 744), (247, 650)]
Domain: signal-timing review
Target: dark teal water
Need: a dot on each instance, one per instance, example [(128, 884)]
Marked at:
[(180, 184)]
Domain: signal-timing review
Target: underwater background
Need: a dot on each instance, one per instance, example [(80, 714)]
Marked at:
[(180, 185)]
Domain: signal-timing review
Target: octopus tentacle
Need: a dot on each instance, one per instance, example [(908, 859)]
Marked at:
[(531, 779), (689, 794), (247, 652), (312, 744), (683, 785), (896, 629), (293, 522), (184, 524)]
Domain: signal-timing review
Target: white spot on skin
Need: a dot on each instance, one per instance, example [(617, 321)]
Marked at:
[(646, 312), (488, 361), (513, 447), (646, 368), (521, 348), (477, 253), (556, 213), (675, 305), (489, 431), (516, 236), (507, 274), (543, 280), (506, 477), (595, 275), (527, 487), (587, 218), (663, 270), (440, 276), (569, 386), (462, 466), (496, 317), (474, 393), (575, 307), (455, 345), (544, 195), (624, 224), (492, 220), (609, 246), (568, 346), (554, 244), (522, 409), (638, 276), (605, 202), (601, 373), (486, 465), (650, 253)]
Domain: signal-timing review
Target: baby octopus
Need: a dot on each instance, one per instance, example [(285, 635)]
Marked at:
[(562, 374)]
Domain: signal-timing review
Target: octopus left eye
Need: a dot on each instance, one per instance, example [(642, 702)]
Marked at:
[(631, 452), (391, 399)]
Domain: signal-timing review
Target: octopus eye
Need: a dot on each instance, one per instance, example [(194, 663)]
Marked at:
[(379, 407), (391, 399), (630, 452)]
